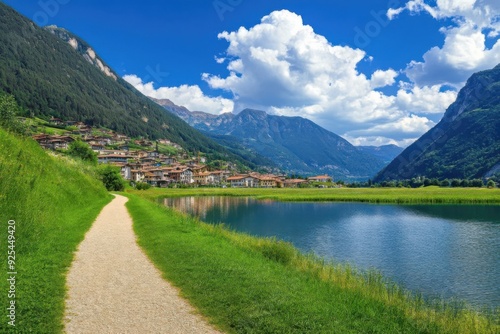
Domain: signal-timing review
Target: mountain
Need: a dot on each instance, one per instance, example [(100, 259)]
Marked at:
[(465, 144), (82, 48), (295, 144), (52, 72), (386, 152)]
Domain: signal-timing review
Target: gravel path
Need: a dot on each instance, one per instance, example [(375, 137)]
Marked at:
[(114, 288)]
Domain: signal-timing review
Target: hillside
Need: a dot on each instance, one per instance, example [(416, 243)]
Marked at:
[(51, 203), (465, 144), (53, 73), (295, 144)]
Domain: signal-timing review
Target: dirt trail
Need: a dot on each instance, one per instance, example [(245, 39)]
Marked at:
[(114, 288)]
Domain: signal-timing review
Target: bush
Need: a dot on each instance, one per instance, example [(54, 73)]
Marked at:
[(465, 183), (111, 178), (477, 183), (491, 184), (79, 149), (142, 186), (445, 183)]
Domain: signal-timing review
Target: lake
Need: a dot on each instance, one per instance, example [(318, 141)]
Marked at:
[(451, 251)]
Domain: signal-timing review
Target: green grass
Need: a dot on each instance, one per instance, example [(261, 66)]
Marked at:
[(53, 202), (244, 284), (372, 195)]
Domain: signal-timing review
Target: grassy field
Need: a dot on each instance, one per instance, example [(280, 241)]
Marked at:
[(250, 285), (373, 195), (52, 204)]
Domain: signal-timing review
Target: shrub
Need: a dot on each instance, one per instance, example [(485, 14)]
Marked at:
[(111, 178), (445, 183), (142, 186), (79, 149), (478, 183), (491, 184)]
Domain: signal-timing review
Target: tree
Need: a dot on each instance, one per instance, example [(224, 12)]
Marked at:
[(491, 184), (445, 183), (79, 149), (9, 109), (478, 183), (111, 178)]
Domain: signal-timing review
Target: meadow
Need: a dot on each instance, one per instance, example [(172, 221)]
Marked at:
[(244, 284), (51, 202), (427, 195)]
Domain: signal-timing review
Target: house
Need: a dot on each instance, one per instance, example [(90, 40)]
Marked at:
[(103, 140), (137, 175), (155, 178), (198, 168), (113, 158), (320, 178), (42, 140), (96, 146), (203, 178), (170, 161), (181, 175), (56, 121), (126, 171), (153, 154), (164, 141), (220, 176), (293, 183), (61, 142), (243, 181), (148, 160), (268, 182)]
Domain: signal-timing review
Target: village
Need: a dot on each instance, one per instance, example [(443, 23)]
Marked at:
[(142, 161)]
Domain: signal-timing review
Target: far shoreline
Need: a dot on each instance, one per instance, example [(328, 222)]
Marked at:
[(423, 195)]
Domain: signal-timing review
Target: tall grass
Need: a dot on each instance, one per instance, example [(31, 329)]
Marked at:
[(430, 195), (53, 202), (245, 284)]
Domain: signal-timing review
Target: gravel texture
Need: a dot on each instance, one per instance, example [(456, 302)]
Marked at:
[(114, 288)]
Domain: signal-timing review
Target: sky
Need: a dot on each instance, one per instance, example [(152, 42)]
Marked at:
[(375, 72)]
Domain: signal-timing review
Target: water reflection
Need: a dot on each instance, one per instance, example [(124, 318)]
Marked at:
[(444, 250)]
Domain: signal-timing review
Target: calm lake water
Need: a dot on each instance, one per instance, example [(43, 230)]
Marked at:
[(451, 251)]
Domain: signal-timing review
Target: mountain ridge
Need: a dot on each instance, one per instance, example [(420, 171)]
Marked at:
[(465, 144), (295, 144)]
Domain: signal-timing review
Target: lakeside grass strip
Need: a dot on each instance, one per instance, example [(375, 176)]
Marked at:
[(53, 204), (424, 195), (245, 284)]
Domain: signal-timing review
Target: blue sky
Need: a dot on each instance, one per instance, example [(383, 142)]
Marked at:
[(375, 72)]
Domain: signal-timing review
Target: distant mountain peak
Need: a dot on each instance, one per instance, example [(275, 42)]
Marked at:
[(167, 103), (295, 144), (82, 48)]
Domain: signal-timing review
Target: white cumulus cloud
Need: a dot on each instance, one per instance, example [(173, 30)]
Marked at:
[(425, 100), (383, 78), (464, 51), (191, 97), (283, 67)]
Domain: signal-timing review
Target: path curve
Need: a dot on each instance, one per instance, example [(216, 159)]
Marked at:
[(114, 288)]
